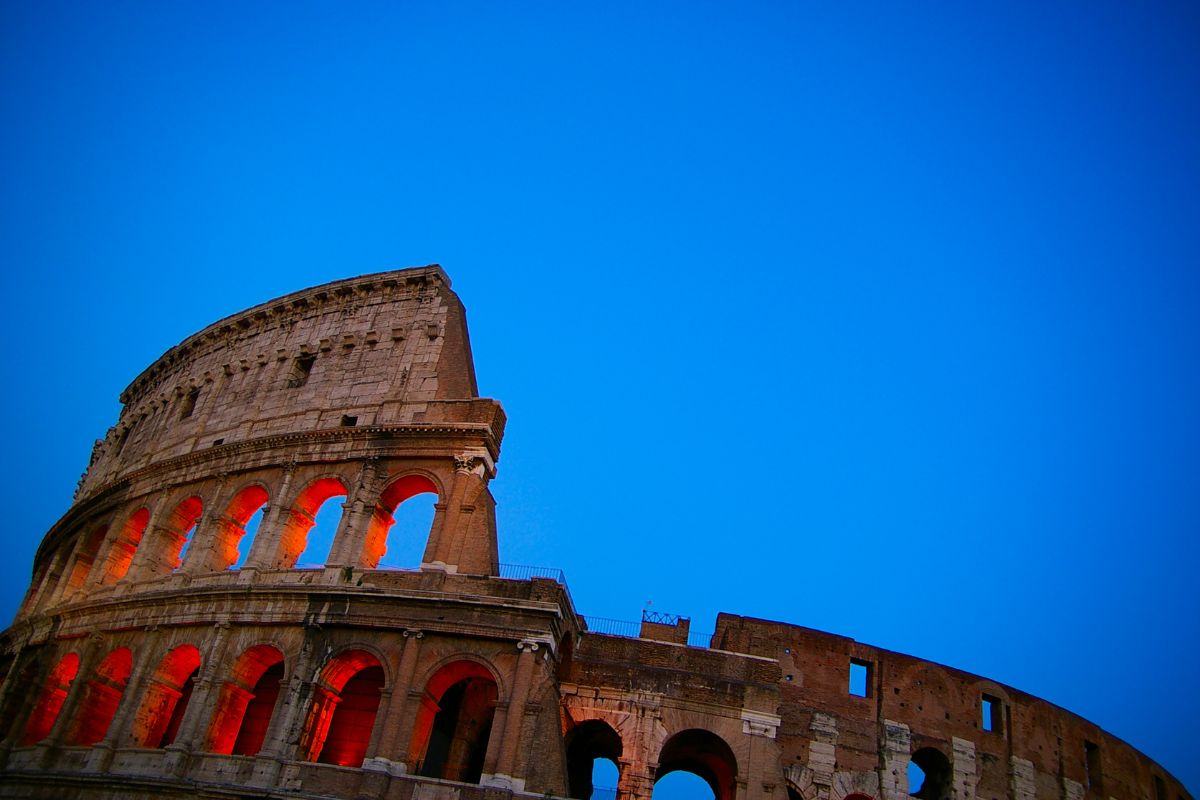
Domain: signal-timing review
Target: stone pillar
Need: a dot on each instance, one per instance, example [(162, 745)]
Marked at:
[(506, 760), (822, 752), (266, 544), (1024, 779), (292, 704), (200, 556), (66, 715), (356, 518), (1073, 790), (897, 751), (388, 740), (963, 765), (200, 705), (101, 755)]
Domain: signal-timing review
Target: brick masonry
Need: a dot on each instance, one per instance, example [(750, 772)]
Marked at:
[(138, 667)]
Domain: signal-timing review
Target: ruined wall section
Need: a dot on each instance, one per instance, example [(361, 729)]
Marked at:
[(835, 743), (375, 350)]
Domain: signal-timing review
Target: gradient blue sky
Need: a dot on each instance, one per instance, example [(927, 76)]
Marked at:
[(877, 319)]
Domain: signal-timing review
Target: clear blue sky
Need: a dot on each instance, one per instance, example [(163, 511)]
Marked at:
[(877, 319)]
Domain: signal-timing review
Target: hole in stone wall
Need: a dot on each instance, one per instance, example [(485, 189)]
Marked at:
[(701, 754), (189, 403), (929, 775), (1091, 754), (301, 369), (1160, 788), (349, 421), (593, 748), (860, 677)]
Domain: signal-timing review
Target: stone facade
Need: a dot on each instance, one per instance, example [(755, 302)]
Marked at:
[(162, 651)]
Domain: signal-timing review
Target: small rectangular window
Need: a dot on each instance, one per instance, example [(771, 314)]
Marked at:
[(1160, 788), (991, 714), (860, 678), (349, 421), (301, 369), (1091, 753), (189, 403)]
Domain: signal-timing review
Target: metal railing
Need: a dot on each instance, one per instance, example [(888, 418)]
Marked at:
[(659, 618), (612, 627), (523, 572)]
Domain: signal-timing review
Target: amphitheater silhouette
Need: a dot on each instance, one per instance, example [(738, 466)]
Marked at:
[(161, 651)]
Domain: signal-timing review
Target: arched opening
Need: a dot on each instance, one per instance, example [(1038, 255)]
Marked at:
[(51, 699), (237, 527), (166, 698), (308, 533), (929, 775), (593, 758), (120, 553), (180, 528), (703, 754), (246, 703), (454, 723), (345, 703), (85, 557), (858, 796), (399, 528), (101, 696)]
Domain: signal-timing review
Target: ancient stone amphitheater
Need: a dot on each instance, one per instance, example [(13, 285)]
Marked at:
[(162, 651)]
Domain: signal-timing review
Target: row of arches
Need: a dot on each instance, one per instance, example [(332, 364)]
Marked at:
[(183, 538), (450, 736), (594, 751)]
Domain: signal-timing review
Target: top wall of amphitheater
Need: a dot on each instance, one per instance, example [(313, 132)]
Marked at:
[(368, 351)]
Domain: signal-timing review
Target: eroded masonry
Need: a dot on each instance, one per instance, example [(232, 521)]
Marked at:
[(163, 651)]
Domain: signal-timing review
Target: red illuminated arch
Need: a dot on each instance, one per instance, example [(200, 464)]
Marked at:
[(454, 722), (178, 531), (704, 754), (345, 703), (101, 696), (50, 701), (246, 702), (85, 557), (302, 516), (166, 698), (231, 527), (120, 553), (399, 490)]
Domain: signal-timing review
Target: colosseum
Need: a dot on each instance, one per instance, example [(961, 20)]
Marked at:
[(166, 647)]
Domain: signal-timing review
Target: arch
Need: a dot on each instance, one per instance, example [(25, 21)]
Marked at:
[(586, 742), (701, 753), (101, 696), (454, 722), (345, 704), (397, 492), (293, 538), (85, 558), (227, 548), (50, 701), (123, 547), (166, 697), (858, 796), (938, 777), (180, 530), (246, 702)]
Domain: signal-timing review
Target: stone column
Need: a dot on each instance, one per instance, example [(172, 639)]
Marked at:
[(266, 543), (897, 751), (1024, 779), (822, 752), (506, 760), (963, 765), (359, 508), (199, 557), (279, 744), (101, 756), (199, 707), (388, 740), (70, 706)]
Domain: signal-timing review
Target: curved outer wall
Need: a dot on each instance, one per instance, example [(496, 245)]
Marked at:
[(165, 649)]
